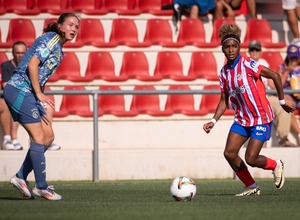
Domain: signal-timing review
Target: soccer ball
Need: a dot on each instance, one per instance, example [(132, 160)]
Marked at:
[(183, 189)]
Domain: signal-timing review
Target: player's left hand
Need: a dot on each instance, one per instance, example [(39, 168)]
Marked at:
[(45, 99), (208, 126)]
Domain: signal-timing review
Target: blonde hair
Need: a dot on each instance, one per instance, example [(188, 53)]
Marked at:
[(229, 31)]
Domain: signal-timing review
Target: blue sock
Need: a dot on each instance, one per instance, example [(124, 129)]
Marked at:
[(26, 167), (38, 161)]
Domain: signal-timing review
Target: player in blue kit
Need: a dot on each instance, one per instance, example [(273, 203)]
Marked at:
[(26, 101)]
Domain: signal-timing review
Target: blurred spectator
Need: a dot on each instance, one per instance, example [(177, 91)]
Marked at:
[(10, 127), (292, 10), (227, 8), (285, 123), (191, 9)]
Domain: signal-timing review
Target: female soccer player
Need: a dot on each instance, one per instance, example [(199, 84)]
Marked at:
[(26, 101), (241, 83)]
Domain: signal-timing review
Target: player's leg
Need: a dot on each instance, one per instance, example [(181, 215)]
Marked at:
[(14, 135), (5, 119), (237, 136), (260, 134)]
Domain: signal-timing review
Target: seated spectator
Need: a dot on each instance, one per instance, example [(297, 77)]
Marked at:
[(285, 123), (292, 11), (191, 9), (227, 8)]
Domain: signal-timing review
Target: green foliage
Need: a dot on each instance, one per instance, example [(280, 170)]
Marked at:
[(150, 199)]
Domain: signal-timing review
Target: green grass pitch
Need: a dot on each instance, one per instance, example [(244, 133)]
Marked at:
[(150, 199)]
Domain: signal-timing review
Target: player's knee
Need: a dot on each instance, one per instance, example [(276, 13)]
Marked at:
[(251, 160), (229, 155)]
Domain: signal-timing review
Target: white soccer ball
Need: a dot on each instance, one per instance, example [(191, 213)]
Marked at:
[(183, 189)]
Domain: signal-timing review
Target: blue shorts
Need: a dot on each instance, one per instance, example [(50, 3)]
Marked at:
[(24, 107), (260, 132)]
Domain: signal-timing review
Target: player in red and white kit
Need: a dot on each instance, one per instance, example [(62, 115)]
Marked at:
[(241, 84)]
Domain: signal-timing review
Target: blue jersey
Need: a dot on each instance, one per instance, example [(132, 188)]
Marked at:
[(48, 50), (204, 5)]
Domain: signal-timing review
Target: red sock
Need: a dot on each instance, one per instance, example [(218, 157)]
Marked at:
[(245, 177), (270, 165)]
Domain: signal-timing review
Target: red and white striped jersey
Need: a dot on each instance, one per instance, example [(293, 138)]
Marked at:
[(246, 91)]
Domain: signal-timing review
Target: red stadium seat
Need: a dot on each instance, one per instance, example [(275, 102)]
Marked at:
[(75, 104), (192, 32), (101, 66), (264, 35), (169, 66), (3, 57), (209, 102), (92, 33), (243, 9), (2, 10), (135, 66), (20, 29), (122, 7), (148, 104), (113, 104), (154, 7), (203, 65), (164, 36), (182, 103), (55, 7), (70, 44), (274, 59), (216, 26), (90, 7), (125, 32), (69, 69), (21, 7)]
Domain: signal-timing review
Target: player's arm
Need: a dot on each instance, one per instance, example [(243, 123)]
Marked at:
[(33, 69), (221, 108), (276, 78)]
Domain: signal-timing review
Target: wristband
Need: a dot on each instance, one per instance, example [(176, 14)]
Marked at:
[(282, 102), (213, 121)]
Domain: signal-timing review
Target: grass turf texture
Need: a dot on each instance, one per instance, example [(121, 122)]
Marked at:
[(148, 199)]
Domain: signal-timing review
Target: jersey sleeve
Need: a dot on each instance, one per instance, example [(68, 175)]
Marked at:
[(254, 66), (44, 47)]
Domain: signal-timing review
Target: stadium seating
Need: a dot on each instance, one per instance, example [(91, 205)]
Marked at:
[(125, 32), (148, 104), (203, 65), (89, 7), (69, 69), (183, 103), (192, 32), (101, 66), (3, 57), (264, 35), (2, 10), (20, 29), (135, 66), (154, 7), (164, 36), (216, 26), (55, 7), (113, 104), (20, 7), (274, 59), (121, 7), (209, 102), (92, 33), (169, 66), (74, 104)]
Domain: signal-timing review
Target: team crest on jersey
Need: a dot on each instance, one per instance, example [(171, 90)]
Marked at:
[(45, 53), (239, 77), (35, 113)]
